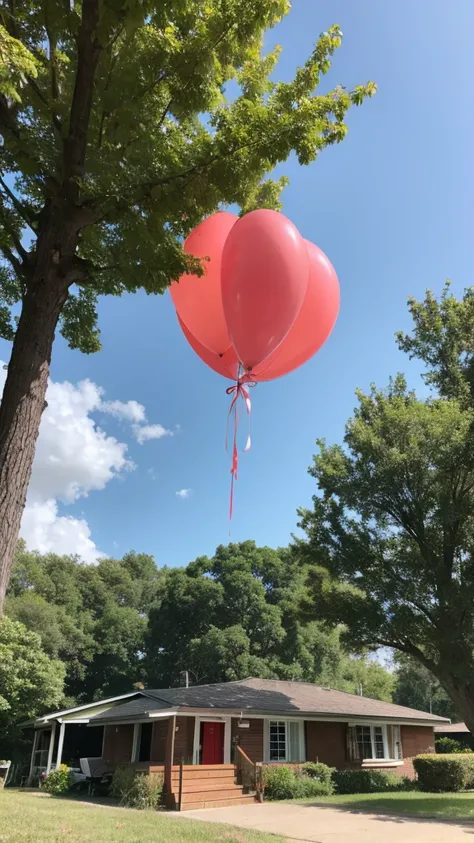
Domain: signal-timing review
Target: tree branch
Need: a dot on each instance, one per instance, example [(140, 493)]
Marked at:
[(15, 262), (88, 51), (19, 208)]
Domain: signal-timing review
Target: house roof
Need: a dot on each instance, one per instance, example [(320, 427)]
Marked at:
[(452, 728), (265, 696)]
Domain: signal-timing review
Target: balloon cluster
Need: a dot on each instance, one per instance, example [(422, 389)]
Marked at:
[(266, 302)]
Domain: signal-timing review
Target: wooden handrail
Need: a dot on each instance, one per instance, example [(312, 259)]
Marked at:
[(239, 749)]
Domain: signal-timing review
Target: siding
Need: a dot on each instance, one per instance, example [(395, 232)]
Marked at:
[(326, 742), (158, 741), (184, 740), (251, 740), (118, 741)]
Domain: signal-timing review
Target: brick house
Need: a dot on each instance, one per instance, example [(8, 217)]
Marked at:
[(207, 730)]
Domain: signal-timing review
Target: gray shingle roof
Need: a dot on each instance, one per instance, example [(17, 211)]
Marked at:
[(266, 695), (452, 728)]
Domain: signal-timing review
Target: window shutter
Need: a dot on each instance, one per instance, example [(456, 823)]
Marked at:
[(391, 741), (352, 745), (293, 741), (397, 743)]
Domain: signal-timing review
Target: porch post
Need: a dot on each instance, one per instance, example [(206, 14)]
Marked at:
[(51, 747), (169, 753), (62, 729), (33, 753)]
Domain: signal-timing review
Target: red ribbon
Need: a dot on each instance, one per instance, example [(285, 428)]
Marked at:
[(239, 390)]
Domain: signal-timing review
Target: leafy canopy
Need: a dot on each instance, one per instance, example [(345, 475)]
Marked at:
[(164, 146), (390, 538), (228, 617), (30, 682)]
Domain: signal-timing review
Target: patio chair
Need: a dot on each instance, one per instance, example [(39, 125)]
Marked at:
[(94, 770)]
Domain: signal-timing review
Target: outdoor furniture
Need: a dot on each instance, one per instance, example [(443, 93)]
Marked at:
[(95, 771), (4, 770)]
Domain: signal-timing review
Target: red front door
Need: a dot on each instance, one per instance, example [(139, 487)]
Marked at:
[(212, 742)]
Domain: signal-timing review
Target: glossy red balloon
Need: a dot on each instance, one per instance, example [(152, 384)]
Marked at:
[(265, 269), (226, 364), (198, 300), (313, 324)]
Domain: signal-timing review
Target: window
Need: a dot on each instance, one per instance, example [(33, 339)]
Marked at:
[(278, 740), (285, 740), (374, 743), (142, 742)]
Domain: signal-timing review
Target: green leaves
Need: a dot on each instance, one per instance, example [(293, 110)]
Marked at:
[(165, 147), (390, 537), (30, 682)]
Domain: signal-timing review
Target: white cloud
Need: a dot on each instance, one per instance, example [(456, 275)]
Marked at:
[(146, 432), (74, 456), (44, 530), (130, 411), (184, 494)]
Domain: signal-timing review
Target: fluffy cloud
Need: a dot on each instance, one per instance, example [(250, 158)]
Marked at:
[(143, 433), (44, 530), (130, 411), (74, 456), (183, 494)]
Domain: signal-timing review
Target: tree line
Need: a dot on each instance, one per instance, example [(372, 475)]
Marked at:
[(74, 633)]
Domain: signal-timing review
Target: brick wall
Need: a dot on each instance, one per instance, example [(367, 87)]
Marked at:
[(118, 741), (158, 741), (326, 742), (184, 740), (415, 741), (251, 740)]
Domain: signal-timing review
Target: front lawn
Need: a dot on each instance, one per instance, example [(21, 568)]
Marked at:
[(27, 817), (439, 805)]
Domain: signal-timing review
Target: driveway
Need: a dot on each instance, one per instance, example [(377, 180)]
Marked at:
[(310, 824)]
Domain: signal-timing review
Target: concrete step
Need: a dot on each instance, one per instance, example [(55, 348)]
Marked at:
[(218, 803)]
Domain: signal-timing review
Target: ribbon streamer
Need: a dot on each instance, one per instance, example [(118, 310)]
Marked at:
[(239, 391)]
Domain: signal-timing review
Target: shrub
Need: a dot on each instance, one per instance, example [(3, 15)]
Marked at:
[(293, 783), (58, 781), (319, 772), (367, 781), (445, 773), (137, 790), (450, 746)]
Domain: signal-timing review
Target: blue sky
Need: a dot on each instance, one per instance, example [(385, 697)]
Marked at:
[(391, 207)]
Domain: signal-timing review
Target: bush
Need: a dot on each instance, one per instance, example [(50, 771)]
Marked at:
[(58, 781), (319, 772), (450, 746), (137, 790), (445, 773), (294, 783), (367, 781)]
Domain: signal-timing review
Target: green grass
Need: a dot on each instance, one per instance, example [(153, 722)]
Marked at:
[(440, 805), (27, 817)]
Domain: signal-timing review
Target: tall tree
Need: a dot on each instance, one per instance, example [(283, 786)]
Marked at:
[(100, 108), (416, 687), (391, 534), (236, 615), (30, 682)]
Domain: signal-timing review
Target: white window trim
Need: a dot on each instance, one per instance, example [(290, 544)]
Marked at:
[(374, 761), (302, 741)]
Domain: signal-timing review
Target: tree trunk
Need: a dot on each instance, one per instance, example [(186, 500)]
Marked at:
[(463, 698), (20, 412)]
